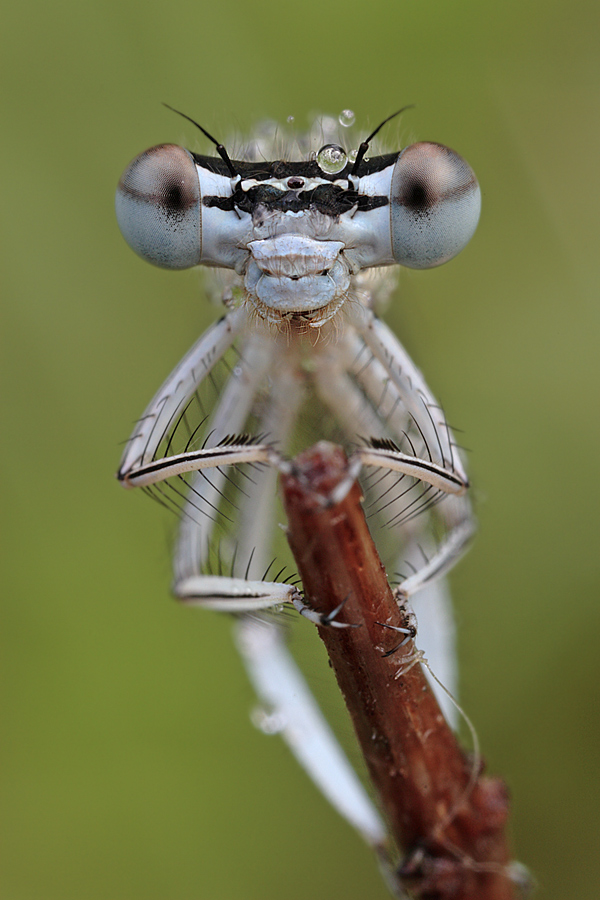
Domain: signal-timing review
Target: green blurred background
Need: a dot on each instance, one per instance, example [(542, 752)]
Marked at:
[(131, 771)]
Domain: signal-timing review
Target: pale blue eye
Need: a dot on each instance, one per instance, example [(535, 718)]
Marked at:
[(158, 206), (434, 205)]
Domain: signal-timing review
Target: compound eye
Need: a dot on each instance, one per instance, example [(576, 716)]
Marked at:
[(434, 207), (158, 207)]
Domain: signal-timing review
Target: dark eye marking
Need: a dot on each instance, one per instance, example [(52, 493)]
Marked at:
[(417, 195), (173, 197)]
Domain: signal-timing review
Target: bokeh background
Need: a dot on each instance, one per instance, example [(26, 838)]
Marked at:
[(131, 769)]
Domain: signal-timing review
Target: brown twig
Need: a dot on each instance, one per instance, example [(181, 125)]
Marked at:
[(446, 818)]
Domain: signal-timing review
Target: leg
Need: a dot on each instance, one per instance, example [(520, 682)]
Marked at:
[(253, 509), (160, 416), (398, 368), (340, 393), (437, 640), (281, 687)]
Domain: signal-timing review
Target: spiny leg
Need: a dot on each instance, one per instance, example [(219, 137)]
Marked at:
[(393, 399), (335, 386), (412, 388), (161, 414), (201, 512), (220, 592)]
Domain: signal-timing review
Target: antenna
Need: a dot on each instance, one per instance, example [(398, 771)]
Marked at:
[(364, 146), (220, 147)]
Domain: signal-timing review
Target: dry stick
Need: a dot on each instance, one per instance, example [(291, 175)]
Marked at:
[(448, 820)]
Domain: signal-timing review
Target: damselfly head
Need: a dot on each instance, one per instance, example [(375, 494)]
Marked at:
[(296, 232)]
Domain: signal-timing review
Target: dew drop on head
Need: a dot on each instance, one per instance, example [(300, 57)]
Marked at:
[(332, 159), (347, 118)]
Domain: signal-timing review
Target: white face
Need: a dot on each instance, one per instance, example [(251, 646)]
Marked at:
[(297, 232)]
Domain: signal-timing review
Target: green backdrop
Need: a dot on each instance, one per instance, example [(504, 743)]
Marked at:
[(131, 771)]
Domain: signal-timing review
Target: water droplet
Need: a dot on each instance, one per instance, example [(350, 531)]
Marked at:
[(352, 155), (347, 118), (290, 120), (521, 876), (332, 159), (267, 722)]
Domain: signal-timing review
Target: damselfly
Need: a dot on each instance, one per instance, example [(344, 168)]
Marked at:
[(306, 249)]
